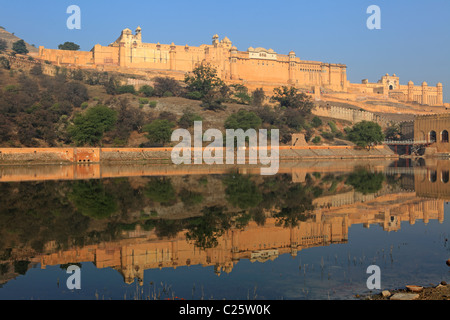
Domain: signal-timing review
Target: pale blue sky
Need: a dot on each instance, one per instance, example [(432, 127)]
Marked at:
[(414, 40)]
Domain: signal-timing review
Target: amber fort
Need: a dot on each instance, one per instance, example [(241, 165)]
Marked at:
[(254, 67)]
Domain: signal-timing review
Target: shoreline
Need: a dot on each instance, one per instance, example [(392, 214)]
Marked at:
[(433, 292)]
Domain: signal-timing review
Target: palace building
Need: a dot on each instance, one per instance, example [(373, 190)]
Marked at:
[(255, 67)]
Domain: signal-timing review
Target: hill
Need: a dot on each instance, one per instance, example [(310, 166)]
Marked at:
[(10, 38)]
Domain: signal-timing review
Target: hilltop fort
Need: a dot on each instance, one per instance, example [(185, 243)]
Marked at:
[(255, 67)]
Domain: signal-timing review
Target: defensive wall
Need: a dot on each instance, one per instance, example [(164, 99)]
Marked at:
[(158, 155), (352, 115)]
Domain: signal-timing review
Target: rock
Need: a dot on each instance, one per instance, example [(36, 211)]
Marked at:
[(385, 293), (405, 296), (448, 262), (414, 288), (443, 283)]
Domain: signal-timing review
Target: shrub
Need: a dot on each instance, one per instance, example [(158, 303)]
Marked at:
[(143, 100), (316, 122), (126, 89), (153, 104), (147, 91), (316, 140), (194, 95), (159, 131)]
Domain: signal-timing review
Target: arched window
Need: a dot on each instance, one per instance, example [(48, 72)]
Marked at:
[(444, 136), (445, 176), (391, 87), (433, 176), (432, 136)]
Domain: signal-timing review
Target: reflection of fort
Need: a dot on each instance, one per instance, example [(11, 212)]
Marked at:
[(334, 215), (143, 250)]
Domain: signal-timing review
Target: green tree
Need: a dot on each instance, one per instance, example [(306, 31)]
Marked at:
[(366, 133), (159, 131), (244, 120), (20, 47), (69, 46), (289, 97), (258, 97), (203, 80), (88, 128)]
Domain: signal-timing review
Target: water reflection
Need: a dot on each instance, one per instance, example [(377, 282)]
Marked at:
[(138, 218)]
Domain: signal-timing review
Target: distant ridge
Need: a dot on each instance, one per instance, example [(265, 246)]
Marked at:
[(10, 39)]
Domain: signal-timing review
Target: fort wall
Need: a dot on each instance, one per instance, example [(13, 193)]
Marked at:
[(158, 155), (348, 114)]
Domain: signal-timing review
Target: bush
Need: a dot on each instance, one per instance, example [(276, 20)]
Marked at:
[(316, 140), (143, 100), (126, 89), (188, 118), (84, 105), (147, 91), (159, 131), (153, 104), (316, 122), (194, 95), (243, 120)]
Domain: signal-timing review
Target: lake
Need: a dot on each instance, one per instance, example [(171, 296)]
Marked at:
[(137, 231)]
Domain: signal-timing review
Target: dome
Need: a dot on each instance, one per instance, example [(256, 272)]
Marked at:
[(226, 40), (250, 49), (439, 84), (424, 83), (410, 83)]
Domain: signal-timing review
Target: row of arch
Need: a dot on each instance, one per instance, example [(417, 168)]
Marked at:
[(433, 176), (443, 136)]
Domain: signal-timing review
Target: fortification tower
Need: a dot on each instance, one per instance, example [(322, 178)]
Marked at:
[(424, 93), (291, 67), (440, 96)]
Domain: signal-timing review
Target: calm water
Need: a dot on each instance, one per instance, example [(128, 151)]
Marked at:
[(143, 232)]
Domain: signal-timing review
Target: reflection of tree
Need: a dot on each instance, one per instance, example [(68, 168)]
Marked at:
[(296, 203), (168, 228), (242, 192), (190, 197), (91, 199), (21, 266), (365, 182), (206, 229), (37, 212), (161, 190)]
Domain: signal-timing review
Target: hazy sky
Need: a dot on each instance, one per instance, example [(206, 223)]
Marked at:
[(414, 40)]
